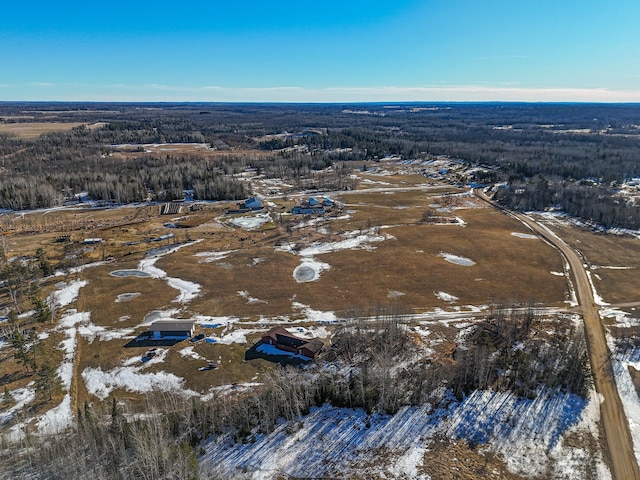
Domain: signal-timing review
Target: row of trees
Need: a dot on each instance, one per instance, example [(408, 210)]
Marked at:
[(599, 204)]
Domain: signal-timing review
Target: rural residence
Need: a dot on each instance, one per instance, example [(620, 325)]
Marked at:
[(282, 339)]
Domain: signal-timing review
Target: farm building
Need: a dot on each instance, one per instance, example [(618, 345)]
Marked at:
[(282, 339), (171, 208), (313, 206), (91, 241), (305, 210), (171, 329), (252, 204)]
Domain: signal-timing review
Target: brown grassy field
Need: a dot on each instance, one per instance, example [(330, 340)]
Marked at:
[(35, 129), (406, 269), (601, 252)]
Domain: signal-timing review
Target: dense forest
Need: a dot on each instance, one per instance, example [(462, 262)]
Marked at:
[(580, 153)]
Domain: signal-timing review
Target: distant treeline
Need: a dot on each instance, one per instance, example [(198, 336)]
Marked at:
[(562, 144)]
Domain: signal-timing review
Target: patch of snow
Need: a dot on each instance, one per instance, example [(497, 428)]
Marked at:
[(250, 300), (446, 297), (188, 352), (126, 297), (188, 290), (597, 299), (358, 241), (524, 235), (457, 260), (251, 223), (58, 419), (394, 294), (558, 274), (67, 294), (101, 383), (622, 319), (21, 397), (237, 336), (210, 257), (312, 315)]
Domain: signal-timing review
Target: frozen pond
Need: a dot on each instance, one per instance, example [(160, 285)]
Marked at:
[(130, 273), (305, 273)]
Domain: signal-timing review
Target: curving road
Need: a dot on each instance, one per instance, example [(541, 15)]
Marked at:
[(616, 428)]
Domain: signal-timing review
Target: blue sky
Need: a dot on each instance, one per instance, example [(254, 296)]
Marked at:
[(330, 51)]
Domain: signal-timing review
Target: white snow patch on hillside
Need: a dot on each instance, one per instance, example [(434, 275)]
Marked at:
[(250, 300), (597, 299), (622, 318), (101, 383), (456, 259), (362, 241), (237, 336), (524, 235), (58, 419), (446, 297), (210, 257), (188, 290), (21, 397), (188, 352), (558, 274), (312, 315), (206, 321), (66, 294)]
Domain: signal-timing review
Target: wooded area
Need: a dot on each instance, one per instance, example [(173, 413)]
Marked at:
[(573, 157)]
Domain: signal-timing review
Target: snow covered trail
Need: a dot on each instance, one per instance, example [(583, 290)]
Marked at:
[(188, 290), (332, 440)]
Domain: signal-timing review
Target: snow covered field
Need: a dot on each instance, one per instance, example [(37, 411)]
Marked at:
[(527, 434)]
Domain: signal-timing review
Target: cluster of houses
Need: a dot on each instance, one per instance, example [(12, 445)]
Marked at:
[(279, 337), (313, 206)]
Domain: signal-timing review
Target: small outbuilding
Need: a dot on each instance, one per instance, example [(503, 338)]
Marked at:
[(171, 329), (282, 339)]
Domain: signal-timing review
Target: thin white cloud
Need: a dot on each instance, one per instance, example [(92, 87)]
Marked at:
[(439, 93), (41, 84)]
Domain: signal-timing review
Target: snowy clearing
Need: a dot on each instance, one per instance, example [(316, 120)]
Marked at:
[(338, 441)]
